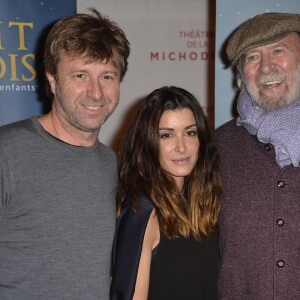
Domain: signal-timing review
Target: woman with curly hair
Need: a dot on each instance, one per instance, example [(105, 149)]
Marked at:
[(166, 244)]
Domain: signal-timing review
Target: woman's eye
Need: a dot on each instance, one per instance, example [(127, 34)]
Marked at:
[(191, 132), (165, 135)]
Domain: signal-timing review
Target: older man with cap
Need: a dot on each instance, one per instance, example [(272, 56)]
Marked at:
[(260, 154)]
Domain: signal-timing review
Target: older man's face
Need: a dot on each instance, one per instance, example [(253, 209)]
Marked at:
[(271, 73)]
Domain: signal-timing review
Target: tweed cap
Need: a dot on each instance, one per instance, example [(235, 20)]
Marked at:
[(261, 30)]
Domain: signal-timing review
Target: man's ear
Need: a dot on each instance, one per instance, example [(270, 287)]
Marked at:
[(52, 82)]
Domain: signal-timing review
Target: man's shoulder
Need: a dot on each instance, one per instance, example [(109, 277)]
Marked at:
[(15, 130), (227, 127), (15, 125), (107, 152), (231, 135)]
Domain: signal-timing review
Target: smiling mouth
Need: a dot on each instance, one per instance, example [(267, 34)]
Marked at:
[(271, 84), (181, 161), (92, 107)]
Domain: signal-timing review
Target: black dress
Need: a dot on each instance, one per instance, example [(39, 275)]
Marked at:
[(181, 269), (184, 269)]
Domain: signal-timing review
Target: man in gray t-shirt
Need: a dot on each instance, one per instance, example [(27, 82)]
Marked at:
[(57, 181)]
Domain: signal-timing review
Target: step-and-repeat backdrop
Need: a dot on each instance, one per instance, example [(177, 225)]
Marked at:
[(173, 42)]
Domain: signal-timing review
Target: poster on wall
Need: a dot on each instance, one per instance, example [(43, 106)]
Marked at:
[(171, 44), (229, 15), (23, 24)]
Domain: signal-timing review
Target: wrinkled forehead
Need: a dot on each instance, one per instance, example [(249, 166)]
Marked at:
[(86, 58)]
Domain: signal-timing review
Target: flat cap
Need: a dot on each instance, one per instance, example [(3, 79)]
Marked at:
[(261, 30)]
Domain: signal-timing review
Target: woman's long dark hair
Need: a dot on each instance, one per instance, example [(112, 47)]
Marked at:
[(193, 210)]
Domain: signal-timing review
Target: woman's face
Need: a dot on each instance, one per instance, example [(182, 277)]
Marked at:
[(179, 143)]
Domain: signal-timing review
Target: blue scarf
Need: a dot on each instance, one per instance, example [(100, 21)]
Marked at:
[(280, 127)]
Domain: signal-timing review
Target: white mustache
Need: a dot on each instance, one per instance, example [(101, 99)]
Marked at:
[(272, 77)]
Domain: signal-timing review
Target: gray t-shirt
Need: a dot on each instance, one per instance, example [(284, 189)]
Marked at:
[(57, 216)]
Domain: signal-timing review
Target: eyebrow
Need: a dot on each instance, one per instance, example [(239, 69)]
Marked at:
[(172, 129), (279, 43)]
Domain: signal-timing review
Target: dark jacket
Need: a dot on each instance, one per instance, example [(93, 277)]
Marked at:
[(259, 220), (128, 242)]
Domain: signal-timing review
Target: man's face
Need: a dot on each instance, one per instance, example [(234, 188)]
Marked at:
[(271, 73), (85, 93)]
